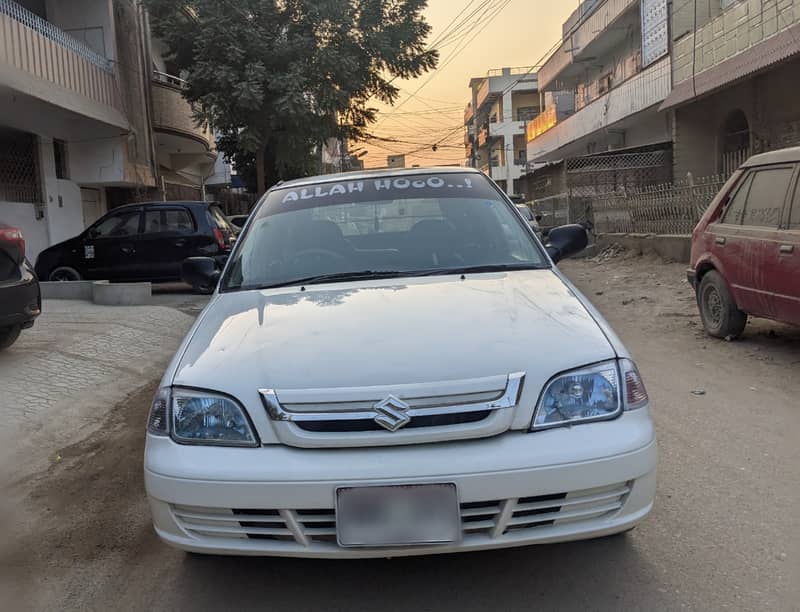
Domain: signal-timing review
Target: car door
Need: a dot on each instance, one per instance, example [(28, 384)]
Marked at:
[(785, 276), (109, 246), (745, 237), (168, 237)]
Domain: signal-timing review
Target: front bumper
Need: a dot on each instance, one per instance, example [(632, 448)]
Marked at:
[(691, 277), (514, 490), (20, 300)]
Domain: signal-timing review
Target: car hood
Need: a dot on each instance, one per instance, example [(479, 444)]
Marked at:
[(391, 332)]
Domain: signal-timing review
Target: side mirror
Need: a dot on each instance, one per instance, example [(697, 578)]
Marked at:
[(538, 217), (93, 233), (200, 272), (566, 241)]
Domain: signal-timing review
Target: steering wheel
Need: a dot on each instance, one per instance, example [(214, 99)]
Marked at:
[(320, 255)]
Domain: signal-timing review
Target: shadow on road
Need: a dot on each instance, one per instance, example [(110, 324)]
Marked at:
[(605, 574)]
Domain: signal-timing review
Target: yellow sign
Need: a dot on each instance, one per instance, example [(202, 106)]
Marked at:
[(545, 121)]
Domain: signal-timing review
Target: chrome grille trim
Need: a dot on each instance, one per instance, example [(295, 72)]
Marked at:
[(508, 399)]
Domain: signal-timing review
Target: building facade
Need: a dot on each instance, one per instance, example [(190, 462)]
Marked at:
[(604, 83), (503, 102), (736, 66), (88, 121)]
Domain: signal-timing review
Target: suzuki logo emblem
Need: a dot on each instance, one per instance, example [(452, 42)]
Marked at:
[(391, 413)]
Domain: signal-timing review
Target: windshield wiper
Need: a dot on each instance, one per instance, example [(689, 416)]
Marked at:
[(339, 277), (481, 269)]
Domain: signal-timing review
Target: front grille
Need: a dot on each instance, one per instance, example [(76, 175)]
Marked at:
[(494, 519), (436, 420)]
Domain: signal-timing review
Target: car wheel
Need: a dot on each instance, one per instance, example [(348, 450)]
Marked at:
[(718, 311), (64, 273), (9, 335)]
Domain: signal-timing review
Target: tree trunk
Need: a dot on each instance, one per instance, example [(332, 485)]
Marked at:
[(261, 171)]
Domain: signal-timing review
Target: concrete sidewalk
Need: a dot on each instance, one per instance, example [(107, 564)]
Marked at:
[(61, 379)]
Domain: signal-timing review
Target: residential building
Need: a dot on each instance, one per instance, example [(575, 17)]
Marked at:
[(603, 84), (735, 72), (503, 102), (85, 122)]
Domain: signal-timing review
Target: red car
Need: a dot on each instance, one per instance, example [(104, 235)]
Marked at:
[(746, 248)]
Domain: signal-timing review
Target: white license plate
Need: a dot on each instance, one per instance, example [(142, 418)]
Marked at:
[(405, 515)]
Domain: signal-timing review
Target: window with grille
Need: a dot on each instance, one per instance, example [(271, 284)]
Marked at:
[(19, 167)]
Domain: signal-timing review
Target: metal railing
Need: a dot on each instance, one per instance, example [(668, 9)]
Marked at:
[(671, 208), (168, 79), (51, 32)]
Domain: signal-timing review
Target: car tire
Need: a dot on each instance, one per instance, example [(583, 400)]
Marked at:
[(64, 273), (718, 311), (9, 335)]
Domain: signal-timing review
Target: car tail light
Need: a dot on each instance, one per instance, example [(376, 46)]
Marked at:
[(12, 241), (220, 238)]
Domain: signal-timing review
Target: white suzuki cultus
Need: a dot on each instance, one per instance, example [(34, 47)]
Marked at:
[(391, 364)]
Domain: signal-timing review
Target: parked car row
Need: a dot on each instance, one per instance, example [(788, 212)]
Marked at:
[(20, 298)]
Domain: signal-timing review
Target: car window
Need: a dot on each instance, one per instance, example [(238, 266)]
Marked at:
[(764, 207), (217, 219), (735, 208), (121, 224), (794, 216), (420, 224), (173, 221)]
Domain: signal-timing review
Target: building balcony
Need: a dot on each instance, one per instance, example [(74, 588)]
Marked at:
[(641, 92), (173, 115), (502, 80), (601, 31), (469, 114), (43, 63)]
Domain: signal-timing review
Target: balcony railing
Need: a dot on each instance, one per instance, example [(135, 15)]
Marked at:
[(168, 79), (173, 113), (48, 61), (646, 89), (49, 31)]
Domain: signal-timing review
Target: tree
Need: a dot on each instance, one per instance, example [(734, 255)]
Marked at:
[(277, 78)]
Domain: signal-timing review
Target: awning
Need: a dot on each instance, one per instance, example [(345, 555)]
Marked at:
[(771, 51), (532, 167)]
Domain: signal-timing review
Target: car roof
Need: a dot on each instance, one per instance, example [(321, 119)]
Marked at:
[(371, 174), (781, 156), (168, 203)]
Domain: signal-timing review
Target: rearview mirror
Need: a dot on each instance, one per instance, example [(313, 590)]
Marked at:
[(201, 273), (566, 241)]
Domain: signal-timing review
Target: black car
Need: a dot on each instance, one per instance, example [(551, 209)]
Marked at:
[(140, 242), (20, 298)]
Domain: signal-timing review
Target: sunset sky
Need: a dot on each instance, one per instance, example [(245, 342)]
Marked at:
[(515, 33)]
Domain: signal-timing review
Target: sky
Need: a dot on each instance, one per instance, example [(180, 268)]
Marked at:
[(502, 33)]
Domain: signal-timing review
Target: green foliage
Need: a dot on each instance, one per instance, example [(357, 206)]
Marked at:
[(287, 75)]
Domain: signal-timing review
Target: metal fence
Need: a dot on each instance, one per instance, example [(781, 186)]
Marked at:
[(671, 208)]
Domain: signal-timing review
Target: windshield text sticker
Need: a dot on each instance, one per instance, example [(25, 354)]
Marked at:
[(378, 186)]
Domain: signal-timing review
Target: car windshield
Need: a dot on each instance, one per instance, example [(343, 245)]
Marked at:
[(422, 224)]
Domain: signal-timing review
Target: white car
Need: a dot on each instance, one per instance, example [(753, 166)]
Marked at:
[(392, 365)]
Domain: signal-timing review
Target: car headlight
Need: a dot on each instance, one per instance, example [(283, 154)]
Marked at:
[(589, 394), (200, 417)]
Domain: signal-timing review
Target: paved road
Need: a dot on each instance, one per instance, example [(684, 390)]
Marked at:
[(723, 535)]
